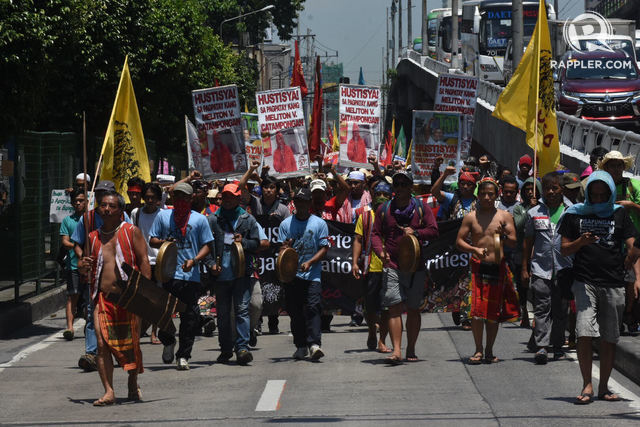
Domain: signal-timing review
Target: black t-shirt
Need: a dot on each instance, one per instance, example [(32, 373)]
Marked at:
[(600, 263)]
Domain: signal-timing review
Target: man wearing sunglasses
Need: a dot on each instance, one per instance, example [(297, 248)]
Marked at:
[(402, 215)]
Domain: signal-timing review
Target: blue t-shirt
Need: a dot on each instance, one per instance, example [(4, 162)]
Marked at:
[(444, 205), (198, 234), (67, 228), (78, 233), (308, 238)]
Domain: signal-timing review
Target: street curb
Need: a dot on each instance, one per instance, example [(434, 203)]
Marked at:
[(19, 315)]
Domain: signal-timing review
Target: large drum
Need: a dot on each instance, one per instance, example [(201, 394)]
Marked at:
[(408, 254), (238, 262), (166, 262), (287, 265)]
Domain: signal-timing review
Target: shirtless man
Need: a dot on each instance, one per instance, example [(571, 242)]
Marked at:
[(105, 274), (489, 276)]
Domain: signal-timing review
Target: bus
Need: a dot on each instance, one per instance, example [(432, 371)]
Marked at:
[(486, 30), (432, 30), (443, 47)]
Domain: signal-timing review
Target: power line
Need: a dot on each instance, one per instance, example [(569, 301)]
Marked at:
[(375, 32)]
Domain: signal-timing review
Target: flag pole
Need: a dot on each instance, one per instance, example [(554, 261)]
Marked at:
[(541, 10), (86, 196)]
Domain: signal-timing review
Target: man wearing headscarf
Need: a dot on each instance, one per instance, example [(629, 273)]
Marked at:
[(459, 203), (356, 147), (525, 165), (596, 233)]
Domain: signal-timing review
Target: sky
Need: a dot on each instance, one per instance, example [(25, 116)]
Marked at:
[(357, 30)]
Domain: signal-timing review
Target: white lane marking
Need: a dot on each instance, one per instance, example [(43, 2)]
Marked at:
[(633, 399), (51, 339), (270, 399)]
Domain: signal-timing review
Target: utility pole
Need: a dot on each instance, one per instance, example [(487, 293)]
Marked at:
[(400, 27), (423, 31), (393, 33), (454, 34), (386, 41), (409, 38), (517, 23), (555, 7)]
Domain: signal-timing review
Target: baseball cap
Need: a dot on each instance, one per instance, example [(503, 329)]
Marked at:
[(232, 188), (402, 173), (303, 194), (525, 160), (571, 180), (183, 187), (105, 186), (318, 184), (355, 176)]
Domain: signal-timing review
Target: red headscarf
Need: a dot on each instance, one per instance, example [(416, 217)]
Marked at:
[(468, 176)]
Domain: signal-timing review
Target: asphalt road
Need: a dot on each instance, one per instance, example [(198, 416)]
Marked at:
[(40, 384)]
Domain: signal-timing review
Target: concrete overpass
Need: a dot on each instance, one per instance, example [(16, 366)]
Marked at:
[(414, 89)]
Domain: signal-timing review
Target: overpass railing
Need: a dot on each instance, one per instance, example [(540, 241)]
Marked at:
[(578, 136)]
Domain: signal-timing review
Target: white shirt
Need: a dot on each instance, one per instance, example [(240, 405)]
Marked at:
[(144, 221)]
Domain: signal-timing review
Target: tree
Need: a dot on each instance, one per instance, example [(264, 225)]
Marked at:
[(59, 58)]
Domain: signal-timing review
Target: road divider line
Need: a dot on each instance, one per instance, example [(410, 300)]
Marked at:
[(53, 338), (270, 399)]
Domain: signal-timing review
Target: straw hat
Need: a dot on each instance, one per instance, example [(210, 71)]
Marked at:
[(616, 155)]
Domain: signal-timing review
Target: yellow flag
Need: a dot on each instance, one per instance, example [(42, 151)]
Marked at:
[(124, 154), (246, 108), (533, 81), (336, 140)]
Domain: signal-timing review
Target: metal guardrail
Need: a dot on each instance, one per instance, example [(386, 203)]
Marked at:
[(575, 133)]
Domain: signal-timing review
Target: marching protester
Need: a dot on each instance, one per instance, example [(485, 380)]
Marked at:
[(548, 272), (403, 215), (459, 203), (596, 233), (520, 219), (493, 299), (307, 234), (94, 220), (143, 218), (134, 192), (232, 224), (191, 234), (366, 265), (76, 285), (117, 330), (525, 164)]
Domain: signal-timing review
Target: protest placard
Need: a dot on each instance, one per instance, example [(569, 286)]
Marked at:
[(459, 93), (434, 135), (60, 206), (359, 124), (282, 128), (252, 140), (220, 136)]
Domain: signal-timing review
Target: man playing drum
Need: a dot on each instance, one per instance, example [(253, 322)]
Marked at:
[(493, 298), (191, 234), (117, 330), (307, 234), (404, 215)]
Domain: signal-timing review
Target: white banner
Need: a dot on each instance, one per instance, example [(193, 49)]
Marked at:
[(283, 132), (220, 136), (359, 125)]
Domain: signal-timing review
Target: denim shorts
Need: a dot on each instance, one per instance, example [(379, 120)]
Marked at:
[(398, 286), (75, 284), (599, 311)]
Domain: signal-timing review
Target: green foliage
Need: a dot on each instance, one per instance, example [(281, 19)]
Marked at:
[(59, 58)]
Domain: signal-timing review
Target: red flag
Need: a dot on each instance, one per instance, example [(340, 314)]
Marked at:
[(386, 157), (316, 116), (297, 77)]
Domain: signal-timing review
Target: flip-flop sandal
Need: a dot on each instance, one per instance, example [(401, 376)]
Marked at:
[(490, 358), (476, 359), (101, 402), (393, 360), (155, 341), (412, 358), (588, 400), (613, 397)]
